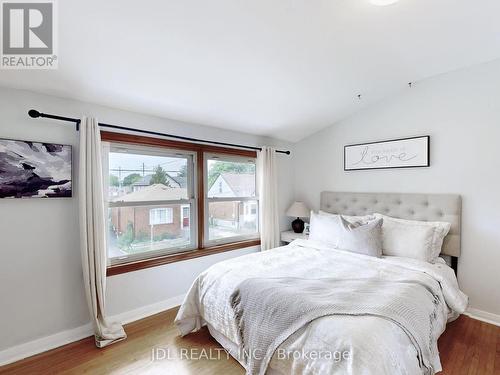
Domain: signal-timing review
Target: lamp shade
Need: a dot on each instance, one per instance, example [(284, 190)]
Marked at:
[(298, 209)]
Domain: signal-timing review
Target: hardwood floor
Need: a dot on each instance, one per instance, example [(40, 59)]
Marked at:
[(467, 347)]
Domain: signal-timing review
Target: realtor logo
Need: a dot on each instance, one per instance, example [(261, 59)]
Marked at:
[(28, 35)]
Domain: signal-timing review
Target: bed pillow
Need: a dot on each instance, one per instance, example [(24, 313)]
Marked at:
[(413, 239), (362, 238), (324, 228), (349, 218)]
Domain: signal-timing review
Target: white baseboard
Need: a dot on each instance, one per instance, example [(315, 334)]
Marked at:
[(43, 344), (145, 311), (483, 316)]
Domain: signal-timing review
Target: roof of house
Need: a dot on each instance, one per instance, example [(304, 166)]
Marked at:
[(155, 192), (182, 181), (242, 184), (146, 180)]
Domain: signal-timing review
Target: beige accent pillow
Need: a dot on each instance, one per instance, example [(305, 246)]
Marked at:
[(362, 238), (413, 239)]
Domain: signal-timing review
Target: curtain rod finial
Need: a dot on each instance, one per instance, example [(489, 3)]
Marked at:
[(33, 113)]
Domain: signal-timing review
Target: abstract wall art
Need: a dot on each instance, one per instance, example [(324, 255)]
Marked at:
[(34, 169)]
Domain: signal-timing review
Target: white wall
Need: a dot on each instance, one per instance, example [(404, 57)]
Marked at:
[(41, 290), (461, 113)]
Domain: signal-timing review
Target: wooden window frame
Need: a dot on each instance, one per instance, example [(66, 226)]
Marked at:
[(201, 251)]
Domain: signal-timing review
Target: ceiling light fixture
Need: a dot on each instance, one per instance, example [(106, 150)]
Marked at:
[(383, 2)]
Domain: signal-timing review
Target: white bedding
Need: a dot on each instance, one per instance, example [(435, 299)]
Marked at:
[(376, 346)]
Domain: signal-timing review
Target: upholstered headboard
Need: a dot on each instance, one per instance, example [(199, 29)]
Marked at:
[(425, 207)]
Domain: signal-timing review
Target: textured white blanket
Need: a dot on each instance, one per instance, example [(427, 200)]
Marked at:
[(269, 310), (378, 345)]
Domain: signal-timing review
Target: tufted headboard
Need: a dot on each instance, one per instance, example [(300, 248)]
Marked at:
[(425, 207)]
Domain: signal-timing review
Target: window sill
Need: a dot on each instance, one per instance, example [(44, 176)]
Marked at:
[(172, 258)]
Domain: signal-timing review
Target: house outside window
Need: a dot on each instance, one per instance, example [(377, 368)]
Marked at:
[(169, 201), (231, 192), (147, 191)]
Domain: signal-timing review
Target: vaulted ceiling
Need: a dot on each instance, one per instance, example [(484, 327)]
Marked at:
[(280, 68)]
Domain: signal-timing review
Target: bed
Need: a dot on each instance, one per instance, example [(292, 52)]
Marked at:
[(374, 343)]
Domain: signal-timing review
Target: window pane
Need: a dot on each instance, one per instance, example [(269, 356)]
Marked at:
[(161, 216), (230, 179), (140, 229), (136, 177), (233, 218)]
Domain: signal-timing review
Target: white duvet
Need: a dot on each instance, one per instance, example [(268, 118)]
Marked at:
[(375, 345)]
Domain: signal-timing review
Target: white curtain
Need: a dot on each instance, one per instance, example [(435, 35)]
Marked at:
[(93, 233), (268, 195)]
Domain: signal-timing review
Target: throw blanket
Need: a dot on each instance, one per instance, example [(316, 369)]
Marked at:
[(269, 310)]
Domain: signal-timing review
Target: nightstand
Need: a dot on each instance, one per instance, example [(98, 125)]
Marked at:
[(289, 235)]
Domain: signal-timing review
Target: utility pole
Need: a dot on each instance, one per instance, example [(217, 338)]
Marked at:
[(120, 178)]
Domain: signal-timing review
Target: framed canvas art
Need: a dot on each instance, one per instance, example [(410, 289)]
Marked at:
[(34, 169), (398, 153)]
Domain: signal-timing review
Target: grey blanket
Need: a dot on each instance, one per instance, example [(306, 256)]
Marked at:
[(269, 310)]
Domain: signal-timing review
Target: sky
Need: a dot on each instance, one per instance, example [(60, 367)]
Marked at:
[(171, 165)]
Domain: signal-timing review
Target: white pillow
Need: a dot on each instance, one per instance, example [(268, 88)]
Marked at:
[(325, 227), (351, 219), (413, 239)]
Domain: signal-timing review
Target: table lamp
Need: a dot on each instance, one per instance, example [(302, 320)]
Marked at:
[(298, 210)]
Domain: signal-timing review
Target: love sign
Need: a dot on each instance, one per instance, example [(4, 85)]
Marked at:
[(398, 153)]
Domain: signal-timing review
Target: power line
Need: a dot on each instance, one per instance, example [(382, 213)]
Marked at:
[(139, 170)]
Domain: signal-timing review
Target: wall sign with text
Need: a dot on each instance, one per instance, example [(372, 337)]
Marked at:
[(398, 153)]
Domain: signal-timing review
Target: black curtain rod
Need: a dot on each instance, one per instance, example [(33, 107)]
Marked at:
[(35, 114)]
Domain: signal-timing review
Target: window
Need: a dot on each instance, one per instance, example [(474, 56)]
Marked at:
[(159, 216), (170, 201), (230, 185), (148, 191)]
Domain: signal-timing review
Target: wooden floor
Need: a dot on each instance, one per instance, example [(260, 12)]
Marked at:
[(467, 347)]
